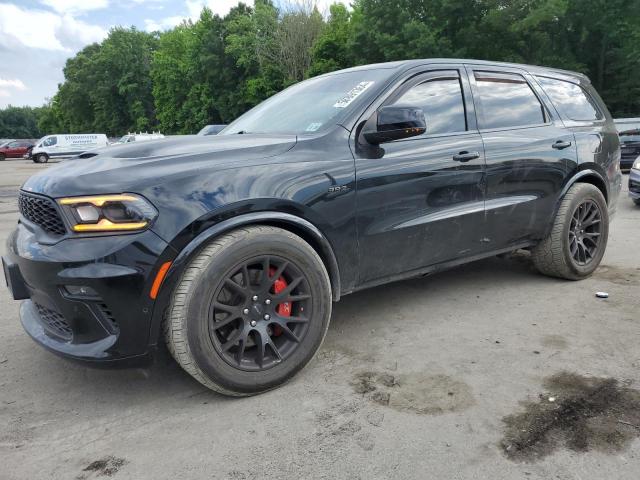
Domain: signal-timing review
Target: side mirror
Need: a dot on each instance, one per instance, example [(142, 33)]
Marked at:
[(393, 123)]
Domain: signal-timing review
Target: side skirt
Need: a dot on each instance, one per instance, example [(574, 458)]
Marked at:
[(439, 267)]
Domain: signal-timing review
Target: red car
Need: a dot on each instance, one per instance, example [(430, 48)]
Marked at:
[(15, 149)]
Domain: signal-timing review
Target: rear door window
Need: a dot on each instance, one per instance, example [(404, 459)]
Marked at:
[(441, 101), (506, 100), (571, 99)]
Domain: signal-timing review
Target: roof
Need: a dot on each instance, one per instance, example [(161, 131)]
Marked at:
[(405, 64)]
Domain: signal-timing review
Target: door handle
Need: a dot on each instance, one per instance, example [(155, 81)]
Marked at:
[(466, 156), (560, 144)]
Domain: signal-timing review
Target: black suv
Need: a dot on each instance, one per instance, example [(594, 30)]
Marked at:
[(233, 247)]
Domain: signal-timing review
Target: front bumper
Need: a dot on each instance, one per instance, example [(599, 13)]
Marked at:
[(110, 322), (634, 184)]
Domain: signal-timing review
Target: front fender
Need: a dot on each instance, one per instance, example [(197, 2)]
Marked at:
[(293, 223)]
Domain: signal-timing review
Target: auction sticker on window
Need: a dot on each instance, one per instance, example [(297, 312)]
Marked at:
[(352, 94), (313, 127)]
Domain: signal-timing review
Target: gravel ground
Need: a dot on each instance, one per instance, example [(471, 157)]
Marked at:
[(454, 376)]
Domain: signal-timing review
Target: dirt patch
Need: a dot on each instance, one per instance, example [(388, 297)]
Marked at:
[(557, 342), (576, 412), (416, 392), (619, 275), (107, 466)]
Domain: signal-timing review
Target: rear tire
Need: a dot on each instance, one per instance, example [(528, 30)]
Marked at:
[(41, 158), (636, 201), (578, 238), (2, 157), (226, 325)]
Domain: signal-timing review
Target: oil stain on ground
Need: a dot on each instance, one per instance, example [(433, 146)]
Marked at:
[(107, 466), (415, 392), (576, 412)]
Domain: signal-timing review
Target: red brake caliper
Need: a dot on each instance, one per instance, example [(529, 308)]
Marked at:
[(283, 309)]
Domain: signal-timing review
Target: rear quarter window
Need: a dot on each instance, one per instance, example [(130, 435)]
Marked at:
[(571, 99)]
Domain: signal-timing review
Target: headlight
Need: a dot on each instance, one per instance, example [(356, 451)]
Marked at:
[(636, 164), (108, 213)]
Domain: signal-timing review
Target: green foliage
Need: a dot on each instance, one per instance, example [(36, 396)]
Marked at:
[(214, 69), (19, 122), (331, 50), (107, 86)]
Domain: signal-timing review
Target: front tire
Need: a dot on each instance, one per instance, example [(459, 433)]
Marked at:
[(250, 310), (41, 158), (2, 157), (578, 238), (636, 201)]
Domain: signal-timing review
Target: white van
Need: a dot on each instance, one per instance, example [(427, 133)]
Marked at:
[(139, 137), (65, 146)]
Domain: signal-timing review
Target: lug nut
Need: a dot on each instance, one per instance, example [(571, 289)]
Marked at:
[(245, 311), (267, 302), (255, 298), (267, 317), (253, 323)]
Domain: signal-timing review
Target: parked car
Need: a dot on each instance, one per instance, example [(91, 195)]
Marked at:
[(232, 249), (211, 129), (139, 137), (66, 146), (634, 182), (15, 149), (629, 131)]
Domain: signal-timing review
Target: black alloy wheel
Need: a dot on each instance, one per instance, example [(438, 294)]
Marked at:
[(584, 232), (260, 313)]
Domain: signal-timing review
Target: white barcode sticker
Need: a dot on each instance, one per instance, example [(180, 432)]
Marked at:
[(352, 94)]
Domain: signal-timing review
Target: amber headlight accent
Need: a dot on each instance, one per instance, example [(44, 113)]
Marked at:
[(108, 213)]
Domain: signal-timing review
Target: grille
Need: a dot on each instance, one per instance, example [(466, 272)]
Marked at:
[(42, 212), (54, 322), (630, 152)]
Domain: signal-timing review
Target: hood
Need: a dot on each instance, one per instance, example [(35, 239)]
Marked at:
[(137, 165)]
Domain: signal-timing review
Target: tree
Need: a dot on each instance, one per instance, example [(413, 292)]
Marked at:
[(107, 86), (215, 68), (249, 34), (170, 73), (289, 41), (19, 122), (403, 29), (330, 51)]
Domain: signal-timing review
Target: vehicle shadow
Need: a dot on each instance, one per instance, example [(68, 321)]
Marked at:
[(472, 279)]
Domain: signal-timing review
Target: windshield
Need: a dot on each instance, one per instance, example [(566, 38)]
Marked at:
[(310, 106)]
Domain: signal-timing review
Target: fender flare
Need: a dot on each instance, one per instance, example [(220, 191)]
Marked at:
[(298, 225), (587, 172)]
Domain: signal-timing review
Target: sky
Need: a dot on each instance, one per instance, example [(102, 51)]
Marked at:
[(38, 36)]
